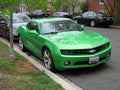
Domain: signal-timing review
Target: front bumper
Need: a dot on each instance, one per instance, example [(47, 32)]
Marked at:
[(81, 61), (104, 22)]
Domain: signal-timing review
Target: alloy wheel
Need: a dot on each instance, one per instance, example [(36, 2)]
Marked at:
[(92, 23), (48, 62)]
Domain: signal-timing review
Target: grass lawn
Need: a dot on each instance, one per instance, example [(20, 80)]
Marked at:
[(21, 74)]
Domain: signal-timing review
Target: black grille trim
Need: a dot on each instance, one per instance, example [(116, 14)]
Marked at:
[(85, 51)]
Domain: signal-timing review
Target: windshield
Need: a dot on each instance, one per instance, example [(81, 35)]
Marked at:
[(60, 26), (20, 18)]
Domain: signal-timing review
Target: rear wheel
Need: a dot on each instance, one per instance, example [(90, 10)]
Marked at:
[(47, 58), (21, 45), (92, 23)]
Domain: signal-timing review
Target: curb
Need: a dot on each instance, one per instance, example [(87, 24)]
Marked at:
[(115, 26), (66, 84)]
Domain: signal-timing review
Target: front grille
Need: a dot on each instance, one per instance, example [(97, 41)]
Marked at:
[(85, 51)]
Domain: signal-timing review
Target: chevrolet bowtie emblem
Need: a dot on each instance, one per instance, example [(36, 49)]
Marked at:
[(92, 51)]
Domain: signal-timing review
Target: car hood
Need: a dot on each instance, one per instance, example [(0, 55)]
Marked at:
[(77, 39)]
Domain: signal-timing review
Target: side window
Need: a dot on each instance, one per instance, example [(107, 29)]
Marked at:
[(58, 14), (101, 1), (85, 14), (91, 14), (94, 14), (55, 14)]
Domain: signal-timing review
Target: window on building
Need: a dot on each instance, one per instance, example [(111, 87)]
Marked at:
[(101, 1)]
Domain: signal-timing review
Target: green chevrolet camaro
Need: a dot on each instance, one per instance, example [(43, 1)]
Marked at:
[(63, 44)]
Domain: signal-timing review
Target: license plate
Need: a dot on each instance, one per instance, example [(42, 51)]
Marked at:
[(108, 19), (93, 60)]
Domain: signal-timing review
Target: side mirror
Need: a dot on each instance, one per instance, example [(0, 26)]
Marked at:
[(82, 26)]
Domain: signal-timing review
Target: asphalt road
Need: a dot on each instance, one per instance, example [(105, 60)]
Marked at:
[(105, 76)]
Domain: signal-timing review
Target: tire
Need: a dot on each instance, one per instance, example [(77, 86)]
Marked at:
[(92, 23), (21, 45), (47, 59)]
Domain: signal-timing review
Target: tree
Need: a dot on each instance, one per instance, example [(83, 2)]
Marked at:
[(83, 6), (74, 4), (10, 5), (111, 6), (36, 4), (60, 5), (117, 18)]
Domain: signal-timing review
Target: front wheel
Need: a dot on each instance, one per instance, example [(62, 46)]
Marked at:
[(47, 58)]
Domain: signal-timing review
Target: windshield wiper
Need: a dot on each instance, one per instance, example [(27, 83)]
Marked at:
[(51, 33)]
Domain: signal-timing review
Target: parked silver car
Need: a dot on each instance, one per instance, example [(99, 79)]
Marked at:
[(18, 19)]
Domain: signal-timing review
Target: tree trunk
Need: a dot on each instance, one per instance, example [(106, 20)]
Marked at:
[(11, 40), (117, 18)]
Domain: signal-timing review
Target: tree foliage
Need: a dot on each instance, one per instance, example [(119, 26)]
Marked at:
[(74, 4), (36, 4), (9, 5), (83, 6), (60, 5)]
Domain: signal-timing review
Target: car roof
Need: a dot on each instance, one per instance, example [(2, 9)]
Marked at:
[(49, 19)]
